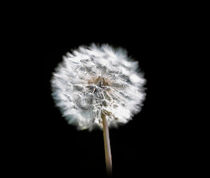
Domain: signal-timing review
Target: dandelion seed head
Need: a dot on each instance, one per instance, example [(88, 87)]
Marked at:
[(94, 80)]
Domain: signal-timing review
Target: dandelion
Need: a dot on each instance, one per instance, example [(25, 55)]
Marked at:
[(98, 86)]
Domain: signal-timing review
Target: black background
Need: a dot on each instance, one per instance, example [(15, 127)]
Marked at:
[(151, 144)]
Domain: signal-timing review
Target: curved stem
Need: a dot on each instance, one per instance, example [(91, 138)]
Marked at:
[(107, 148)]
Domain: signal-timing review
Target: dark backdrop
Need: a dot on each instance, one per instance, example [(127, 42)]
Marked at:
[(150, 144)]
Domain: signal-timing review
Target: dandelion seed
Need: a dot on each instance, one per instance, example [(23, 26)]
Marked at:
[(98, 86)]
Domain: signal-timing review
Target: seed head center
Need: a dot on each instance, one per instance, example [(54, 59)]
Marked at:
[(99, 81)]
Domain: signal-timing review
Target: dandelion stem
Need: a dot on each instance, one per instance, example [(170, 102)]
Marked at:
[(107, 148)]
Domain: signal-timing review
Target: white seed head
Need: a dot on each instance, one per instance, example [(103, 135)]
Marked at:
[(97, 80)]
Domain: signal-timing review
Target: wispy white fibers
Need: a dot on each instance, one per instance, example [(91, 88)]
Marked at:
[(96, 79)]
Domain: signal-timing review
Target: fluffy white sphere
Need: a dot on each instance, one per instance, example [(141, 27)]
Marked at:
[(94, 80)]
